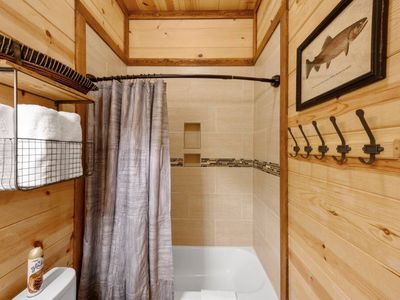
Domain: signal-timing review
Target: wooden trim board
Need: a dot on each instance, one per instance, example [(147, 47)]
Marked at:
[(190, 62), (79, 184), (198, 14), (283, 141)]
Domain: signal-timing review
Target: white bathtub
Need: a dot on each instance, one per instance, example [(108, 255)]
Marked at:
[(220, 268)]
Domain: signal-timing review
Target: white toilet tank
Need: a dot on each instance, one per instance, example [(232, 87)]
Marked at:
[(58, 284)]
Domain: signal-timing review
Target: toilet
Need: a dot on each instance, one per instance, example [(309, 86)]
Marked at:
[(58, 284)]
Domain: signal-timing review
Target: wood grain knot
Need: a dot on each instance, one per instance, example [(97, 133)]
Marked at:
[(48, 34), (333, 212)]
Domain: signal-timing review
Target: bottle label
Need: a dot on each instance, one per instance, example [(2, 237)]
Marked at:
[(35, 274)]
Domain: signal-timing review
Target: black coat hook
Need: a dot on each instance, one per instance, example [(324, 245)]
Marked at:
[(296, 148), (343, 149), (322, 148), (372, 148), (308, 147)]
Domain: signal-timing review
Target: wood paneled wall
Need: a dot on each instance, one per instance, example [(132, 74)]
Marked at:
[(42, 25), (191, 39), (266, 12), (110, 16), (45, 214), (344, 224)]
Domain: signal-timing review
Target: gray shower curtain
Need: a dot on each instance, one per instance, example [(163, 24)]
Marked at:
[(127, 241)]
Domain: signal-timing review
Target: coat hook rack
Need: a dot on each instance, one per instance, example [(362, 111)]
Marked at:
[(296, 148), (372, 148), (323, 148), (308, 147), (343, 149)]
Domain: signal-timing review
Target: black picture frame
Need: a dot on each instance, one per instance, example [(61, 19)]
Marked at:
[(378, 54)]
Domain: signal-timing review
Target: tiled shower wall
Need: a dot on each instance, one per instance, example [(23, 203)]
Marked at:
[(211, 205), (266, 227)]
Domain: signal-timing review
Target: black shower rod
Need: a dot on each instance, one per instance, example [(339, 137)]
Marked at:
[(274, 81)]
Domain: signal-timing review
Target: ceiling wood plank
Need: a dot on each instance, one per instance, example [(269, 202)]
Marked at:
[(199, 14), (134, 6)]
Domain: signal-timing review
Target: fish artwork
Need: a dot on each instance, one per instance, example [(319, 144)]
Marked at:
[(333, 47)]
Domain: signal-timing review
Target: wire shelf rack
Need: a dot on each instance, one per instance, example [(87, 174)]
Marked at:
[(39, 163), (27, 163)]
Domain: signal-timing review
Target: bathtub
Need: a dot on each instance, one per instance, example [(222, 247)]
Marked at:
[(220, 268)]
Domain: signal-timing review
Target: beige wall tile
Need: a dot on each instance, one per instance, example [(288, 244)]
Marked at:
[(193, 180), (269, 259), (267, 223), (187, 113), (234, 180), (266, 189), (233, 232), (222, 145), (235, 118), (247, 206), (176, 144), (192, 140), (266, 201), (179, 205), (260, 142), (193, 232)]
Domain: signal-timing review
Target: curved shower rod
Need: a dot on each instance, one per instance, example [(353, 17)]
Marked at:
[(274, 81)]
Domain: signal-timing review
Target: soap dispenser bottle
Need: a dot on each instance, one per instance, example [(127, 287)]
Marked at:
[(35, 269)]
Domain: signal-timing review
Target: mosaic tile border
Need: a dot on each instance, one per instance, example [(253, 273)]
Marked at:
[(226, 162), (267, 167), (176, 162)]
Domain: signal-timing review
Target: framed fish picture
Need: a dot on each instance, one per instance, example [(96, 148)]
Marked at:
[(345, 52)]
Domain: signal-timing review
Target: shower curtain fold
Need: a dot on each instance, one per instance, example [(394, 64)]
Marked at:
[(127, 242)]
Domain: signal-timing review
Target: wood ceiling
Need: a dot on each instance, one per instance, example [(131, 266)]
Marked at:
[(137, 6)]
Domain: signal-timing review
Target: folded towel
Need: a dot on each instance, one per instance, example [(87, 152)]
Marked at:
[(71, 151), (6, 121), (39, 158), (49, 146), (7, 157), (217, 295), (70, 124), (38, 122)]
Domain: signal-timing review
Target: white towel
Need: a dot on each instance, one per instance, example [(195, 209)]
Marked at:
[(38, 122), (70, 126), (39, 158), (217, 295), (71, 153), (7, 157), (6, 121)]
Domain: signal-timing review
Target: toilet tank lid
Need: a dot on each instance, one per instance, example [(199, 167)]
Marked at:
[(55, 282)]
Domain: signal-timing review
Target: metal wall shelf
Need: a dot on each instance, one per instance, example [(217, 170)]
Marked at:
[(26, 163), (39, 85)]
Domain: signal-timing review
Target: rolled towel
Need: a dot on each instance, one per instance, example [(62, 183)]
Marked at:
[(71, 153), (217, 295), (7, 157), (39, 157)]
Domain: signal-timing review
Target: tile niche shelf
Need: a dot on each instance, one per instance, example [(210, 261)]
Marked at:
[(27, 163)]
